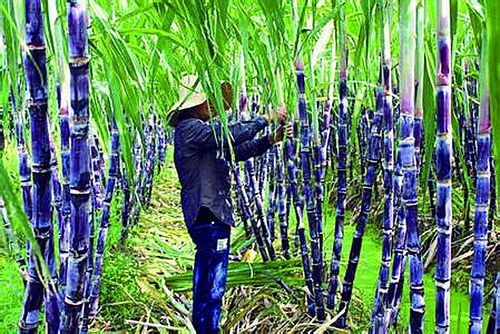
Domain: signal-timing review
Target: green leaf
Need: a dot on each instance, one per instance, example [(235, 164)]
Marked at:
[(429, 114)]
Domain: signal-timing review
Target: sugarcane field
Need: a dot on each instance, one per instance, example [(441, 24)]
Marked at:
[(249, 166)]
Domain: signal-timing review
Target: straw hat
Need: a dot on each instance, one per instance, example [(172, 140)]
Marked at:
[(190, 95)]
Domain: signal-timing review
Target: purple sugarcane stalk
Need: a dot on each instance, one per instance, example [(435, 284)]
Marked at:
[(319, 193), (247, 212), (104, 225), (399, 264), (406, 150), (478, 270), (41, 222), (84, 322), (64, 227), (139, 170), (249, 167), (493, 198), (255, 191), (257, 199), (97, 203), (381, 305), (80, 171), (307, 190), (419, 83), (240, 202), (327, 110), (152, 158), (261, 164), (97, 180), (125, 205), (282, 210), (325, 137), (102, 167), (271, 209), (443, 168), (296, 165), (374, 143), (342, 133), (51, 294), (242, 112), (298, 205), (494, 321)]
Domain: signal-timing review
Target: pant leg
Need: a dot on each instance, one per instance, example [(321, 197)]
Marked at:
[(209, 274)]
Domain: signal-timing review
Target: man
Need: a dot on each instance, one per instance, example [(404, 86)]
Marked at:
[(202, 159)]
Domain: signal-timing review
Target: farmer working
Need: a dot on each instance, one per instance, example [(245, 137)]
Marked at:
[(202, 159)]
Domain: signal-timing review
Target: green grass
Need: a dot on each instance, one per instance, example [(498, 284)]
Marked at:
[(12, 291)]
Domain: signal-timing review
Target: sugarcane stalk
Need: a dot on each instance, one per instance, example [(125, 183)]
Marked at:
[(443, 168), (271, 208), (80, 170), (298, 205), (342, 133), (41, 222), (249, 167), (282, 210), (257, 199), (64, 228), (51, 293), (102, 167), (374, 143), (104, 224), (380, 324), (481, 208), (419, 83), (408, 162), (97, 203), (398, 265), (493, 199), (494, 321), (125, 205), (242, 113), (307, 190)]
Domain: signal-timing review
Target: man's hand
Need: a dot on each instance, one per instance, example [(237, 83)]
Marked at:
[(280, 115), (278, 135)]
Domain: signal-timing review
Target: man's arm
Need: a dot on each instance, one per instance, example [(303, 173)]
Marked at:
[(203, 136), (252, 148), (257, 147)]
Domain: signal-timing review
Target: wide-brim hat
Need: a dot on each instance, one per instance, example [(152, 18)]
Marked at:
[(190, 95)]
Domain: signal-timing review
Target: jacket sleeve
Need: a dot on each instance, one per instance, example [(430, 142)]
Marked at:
[(206, 136), (252, 148)]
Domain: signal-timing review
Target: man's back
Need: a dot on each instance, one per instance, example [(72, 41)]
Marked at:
[(203, 172)]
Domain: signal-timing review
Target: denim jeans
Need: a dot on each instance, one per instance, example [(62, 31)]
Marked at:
[(211, 238)]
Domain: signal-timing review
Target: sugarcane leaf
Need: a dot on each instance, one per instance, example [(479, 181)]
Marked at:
[(476, 20), (18, 218), (320, 45), (476, 7), (359, 50), (493, 32), (457, 145), (453, 19), (99, 120), (13, 39), (429, 114)]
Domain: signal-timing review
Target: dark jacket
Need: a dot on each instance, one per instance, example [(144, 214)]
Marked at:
[(202, 162)]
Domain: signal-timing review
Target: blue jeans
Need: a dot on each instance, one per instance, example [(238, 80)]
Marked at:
[(211, 238)]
